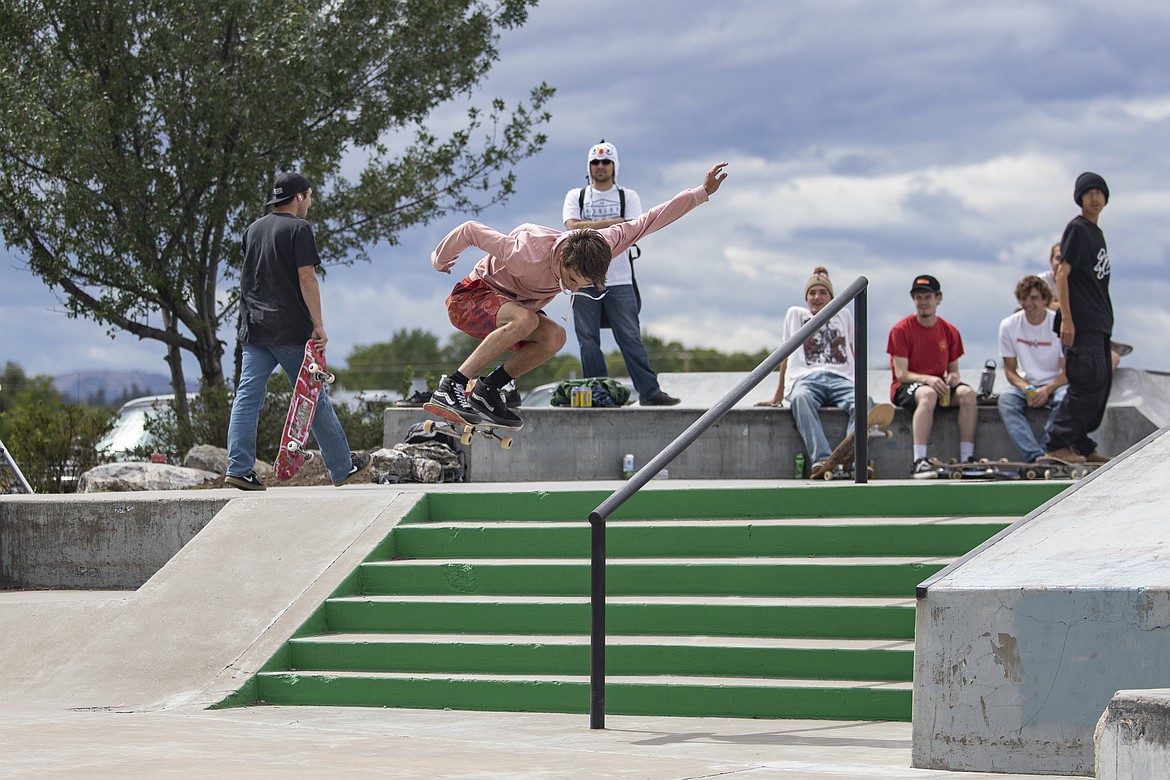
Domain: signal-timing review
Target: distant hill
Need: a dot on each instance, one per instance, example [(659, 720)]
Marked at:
[(109, 388)]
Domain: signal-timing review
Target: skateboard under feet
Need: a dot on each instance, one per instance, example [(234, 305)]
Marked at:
[(450, 424), (310, 381), (1043, 468)]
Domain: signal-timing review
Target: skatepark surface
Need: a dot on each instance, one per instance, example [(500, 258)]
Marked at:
[(102, 684)]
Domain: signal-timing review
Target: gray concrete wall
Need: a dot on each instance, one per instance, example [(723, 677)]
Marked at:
[(748, 443), (1133, 736), (113, 541), (1020, 645)]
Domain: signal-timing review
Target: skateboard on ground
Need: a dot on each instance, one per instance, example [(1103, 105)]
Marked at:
[(840, 462), (307, 390), (451, 424), (1004, 469), (1121, 349)]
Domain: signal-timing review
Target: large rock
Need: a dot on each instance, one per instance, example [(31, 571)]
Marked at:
[(116, 477), (207, 457)]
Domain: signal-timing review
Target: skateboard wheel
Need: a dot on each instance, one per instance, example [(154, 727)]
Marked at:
[(506, 442), (465, 438), (428, 426), (1030, 474), (956, 474), (314, 369), (828, 475), (293, 446), (1048, 474), (328, 378)]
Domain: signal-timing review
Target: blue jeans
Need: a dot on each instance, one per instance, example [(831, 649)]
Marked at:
[(621, 307), (259, 363), (1012, 406), (808, 395)]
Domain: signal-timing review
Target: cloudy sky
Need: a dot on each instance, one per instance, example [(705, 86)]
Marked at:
[(883, 139)]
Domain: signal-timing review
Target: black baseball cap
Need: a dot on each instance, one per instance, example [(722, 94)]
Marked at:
[(925, 282), (287, 185)]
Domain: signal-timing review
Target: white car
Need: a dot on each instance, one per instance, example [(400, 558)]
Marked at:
[(129, 432)]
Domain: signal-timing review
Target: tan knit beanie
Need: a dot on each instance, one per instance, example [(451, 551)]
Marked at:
[(819, 276)]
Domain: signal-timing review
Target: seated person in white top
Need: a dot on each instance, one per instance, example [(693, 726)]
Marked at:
[(1032, 358), (820, 372)]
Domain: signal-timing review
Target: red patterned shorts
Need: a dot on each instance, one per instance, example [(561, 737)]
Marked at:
[(473, 307)]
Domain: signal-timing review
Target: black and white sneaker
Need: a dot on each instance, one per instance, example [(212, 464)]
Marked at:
[(449, 401), (248, 482), (924, 469), (357, 464), (489, 403), (511, 395)]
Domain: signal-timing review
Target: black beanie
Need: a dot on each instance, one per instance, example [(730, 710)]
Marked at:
[(1088, 181)]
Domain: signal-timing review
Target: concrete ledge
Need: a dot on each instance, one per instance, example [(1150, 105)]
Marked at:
[(110, 541), (1133, 736), (748, 443)]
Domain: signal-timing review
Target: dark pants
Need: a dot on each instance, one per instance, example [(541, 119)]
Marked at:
[(1088, 365)]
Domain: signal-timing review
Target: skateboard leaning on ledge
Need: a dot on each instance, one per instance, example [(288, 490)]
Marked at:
[(840, 463), (449, 423), (311, 379)]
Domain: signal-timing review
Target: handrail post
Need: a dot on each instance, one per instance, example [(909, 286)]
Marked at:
[(597, 623), (598, 517), (860, 388)]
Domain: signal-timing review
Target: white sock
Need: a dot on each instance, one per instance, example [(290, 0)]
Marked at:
[(966, 449), (919, 451)]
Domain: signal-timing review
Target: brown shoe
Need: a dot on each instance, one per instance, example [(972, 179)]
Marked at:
[(1064, 455), (1097, 457)]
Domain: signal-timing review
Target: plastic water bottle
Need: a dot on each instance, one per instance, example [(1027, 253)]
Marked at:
[(628, 465), (798, 466), (987, 380)]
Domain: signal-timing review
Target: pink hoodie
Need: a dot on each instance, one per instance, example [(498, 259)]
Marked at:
[(521, 264)]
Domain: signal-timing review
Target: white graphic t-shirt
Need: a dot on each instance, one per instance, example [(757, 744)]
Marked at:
[(605, 204), (1036, 348), (829, 349)]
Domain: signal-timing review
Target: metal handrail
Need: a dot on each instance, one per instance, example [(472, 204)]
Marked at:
[(597, 518)]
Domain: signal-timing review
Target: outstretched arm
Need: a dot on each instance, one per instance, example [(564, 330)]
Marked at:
[(468, 234), (621, 237)]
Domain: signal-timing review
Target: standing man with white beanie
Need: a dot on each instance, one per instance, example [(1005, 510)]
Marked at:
[(597, 206)]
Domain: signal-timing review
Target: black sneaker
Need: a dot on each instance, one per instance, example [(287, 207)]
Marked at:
[(449, 401), (489, 403), (511, 396), (924, 469), (357, 464), (659, 399), (250, 482)]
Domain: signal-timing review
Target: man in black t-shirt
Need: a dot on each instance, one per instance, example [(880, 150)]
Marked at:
[(1085, 324), (280, 310)]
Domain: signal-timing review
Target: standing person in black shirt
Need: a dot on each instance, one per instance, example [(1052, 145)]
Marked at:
[(1085, 324), (281, 310)]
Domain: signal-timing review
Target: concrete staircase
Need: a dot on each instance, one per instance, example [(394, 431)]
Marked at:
[(793, 602)]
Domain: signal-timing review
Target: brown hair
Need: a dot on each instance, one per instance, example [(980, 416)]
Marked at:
[(1052, 251), (1029, 283), (587, 254)]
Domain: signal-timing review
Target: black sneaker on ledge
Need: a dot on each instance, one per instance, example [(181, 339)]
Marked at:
[(449, 401), (249, 482), (659, 399), (492, 407)]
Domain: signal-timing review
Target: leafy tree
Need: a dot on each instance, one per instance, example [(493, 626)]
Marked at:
[(393, 364), (53, 441), (137, 140)]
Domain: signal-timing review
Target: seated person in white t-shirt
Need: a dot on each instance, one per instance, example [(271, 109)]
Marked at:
[(820, 373), (1033, 359)]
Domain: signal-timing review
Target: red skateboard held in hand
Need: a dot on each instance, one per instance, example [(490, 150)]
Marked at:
[(311, 380)]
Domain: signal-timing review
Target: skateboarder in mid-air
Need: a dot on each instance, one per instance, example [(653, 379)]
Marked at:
[(501, 301), (820, 372), (281, 310)]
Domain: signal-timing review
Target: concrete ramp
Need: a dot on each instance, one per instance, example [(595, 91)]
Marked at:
[(208, 620), (1021, 645)]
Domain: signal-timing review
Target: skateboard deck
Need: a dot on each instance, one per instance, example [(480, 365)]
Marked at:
[(840, 462), (1004, 469), (1121, 349), (301, 409), (451, 424)]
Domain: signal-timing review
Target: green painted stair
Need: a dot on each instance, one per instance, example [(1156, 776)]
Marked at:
[(793, 602)]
